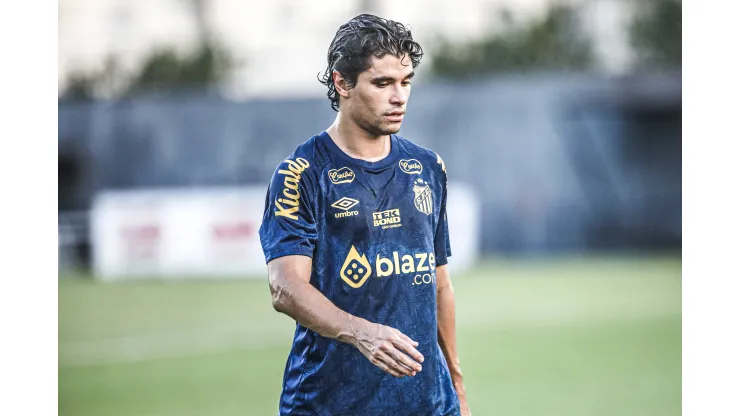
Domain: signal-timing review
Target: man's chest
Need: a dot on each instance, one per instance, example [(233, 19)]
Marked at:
[(359, 206)]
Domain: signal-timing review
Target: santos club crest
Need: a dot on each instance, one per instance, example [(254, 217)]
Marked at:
[(422, 196)]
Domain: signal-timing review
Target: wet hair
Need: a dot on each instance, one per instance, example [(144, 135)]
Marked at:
[(360, 39)]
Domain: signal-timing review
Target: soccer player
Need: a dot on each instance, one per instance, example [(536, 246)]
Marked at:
[(356, 241)]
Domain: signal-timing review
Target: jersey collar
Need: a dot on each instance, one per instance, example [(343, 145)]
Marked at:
[(364, 164)]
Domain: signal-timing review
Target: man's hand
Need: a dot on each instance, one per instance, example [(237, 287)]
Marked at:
[(388, 348), (460, 388)]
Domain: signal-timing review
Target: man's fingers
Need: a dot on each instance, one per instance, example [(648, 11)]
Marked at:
[(383, 366), (407, 339), (392, 363), (403, 359), (409, 350)]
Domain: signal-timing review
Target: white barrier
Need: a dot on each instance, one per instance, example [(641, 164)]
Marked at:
[(463, 219), (178, 233), (206, 233)]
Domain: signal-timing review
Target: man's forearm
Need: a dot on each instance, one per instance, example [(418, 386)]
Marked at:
[(446, 332), (310, 308), (292, 294)]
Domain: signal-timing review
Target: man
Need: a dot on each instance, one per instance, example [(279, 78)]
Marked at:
[(356, 242)]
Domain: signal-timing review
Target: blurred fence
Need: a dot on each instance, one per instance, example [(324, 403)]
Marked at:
[(559, 162)]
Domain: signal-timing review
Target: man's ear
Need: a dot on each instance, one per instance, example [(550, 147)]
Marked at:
[(340, 84)]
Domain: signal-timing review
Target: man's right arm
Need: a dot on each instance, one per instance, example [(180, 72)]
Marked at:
[(293, 295)]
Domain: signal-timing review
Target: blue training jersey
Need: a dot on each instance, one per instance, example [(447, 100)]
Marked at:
[(375, 231)]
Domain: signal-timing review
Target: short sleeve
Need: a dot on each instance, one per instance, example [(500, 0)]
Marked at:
[(442, 249), (289, 220)]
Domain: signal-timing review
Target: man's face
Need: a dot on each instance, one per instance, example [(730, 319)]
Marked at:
[(377, 103)]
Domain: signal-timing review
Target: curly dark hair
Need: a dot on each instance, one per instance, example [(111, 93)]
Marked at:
[(357, 41)]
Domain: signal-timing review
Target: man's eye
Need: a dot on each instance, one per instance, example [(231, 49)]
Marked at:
[(382, 85)]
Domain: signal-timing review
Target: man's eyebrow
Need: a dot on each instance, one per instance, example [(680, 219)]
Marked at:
[(379, 80)]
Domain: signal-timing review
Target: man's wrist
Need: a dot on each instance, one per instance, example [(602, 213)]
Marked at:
[(457, 382), (350, 333)]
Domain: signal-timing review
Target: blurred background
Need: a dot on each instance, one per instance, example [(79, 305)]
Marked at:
[(560, 126)]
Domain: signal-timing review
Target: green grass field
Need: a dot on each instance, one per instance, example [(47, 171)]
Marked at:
[(540, 337)]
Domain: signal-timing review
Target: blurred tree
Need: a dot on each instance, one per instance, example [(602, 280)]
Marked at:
[(164, 69), (88, 86), (79, 88), (655, 34), (553, 43)]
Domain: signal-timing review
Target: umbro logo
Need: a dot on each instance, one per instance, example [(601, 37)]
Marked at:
[(345, 204)]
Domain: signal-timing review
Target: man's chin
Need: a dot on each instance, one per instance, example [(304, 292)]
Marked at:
[(392, 129), (384, 129)]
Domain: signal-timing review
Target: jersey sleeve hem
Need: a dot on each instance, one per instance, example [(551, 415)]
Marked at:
[(270, 256)]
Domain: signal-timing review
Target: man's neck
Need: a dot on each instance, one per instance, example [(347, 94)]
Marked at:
[(356, 142)]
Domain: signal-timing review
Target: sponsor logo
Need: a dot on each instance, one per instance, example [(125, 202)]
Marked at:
[(345, 204), (387, 219), (417, 263), (343, 175), (288, 205), (356, 268), (422, 196), (410, 166)]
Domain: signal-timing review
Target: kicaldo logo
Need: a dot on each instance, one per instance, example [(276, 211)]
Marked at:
[(288, 205), (356, 268)]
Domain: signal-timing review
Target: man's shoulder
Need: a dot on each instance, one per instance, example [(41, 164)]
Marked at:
[(428, 158)]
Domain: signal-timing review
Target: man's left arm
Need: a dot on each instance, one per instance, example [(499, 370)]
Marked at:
[(446, 333)]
